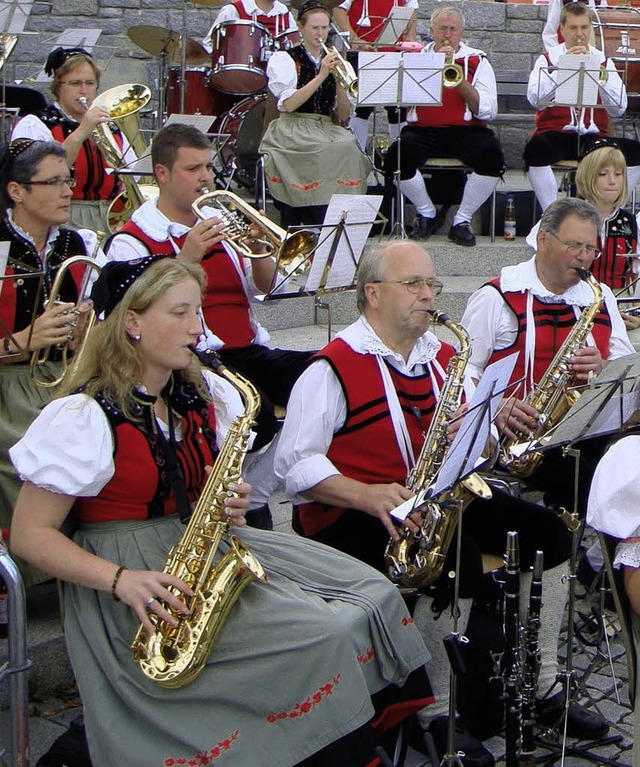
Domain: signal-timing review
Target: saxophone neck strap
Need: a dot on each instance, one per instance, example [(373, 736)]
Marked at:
[(174, 472)]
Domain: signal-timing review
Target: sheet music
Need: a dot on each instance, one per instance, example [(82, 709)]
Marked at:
[(395, 25), (361, 211), (465, 452), (201, 122), (576, 89), (400, 78), (73, 38), (4, 257), (14, 15)]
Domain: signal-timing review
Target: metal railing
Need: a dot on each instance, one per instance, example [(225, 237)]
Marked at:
[(15, 669)]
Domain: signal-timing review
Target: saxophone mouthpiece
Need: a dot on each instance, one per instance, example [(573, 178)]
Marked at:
[(584, 274)]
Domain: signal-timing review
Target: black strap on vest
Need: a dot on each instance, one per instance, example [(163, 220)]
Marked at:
[(174, 471)]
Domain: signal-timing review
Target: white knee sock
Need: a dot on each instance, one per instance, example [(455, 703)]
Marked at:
[(415, 190), (544, 185), (360, 128), (394, 130), (555, 591), (433, 632), (633, 177), (476, 191)]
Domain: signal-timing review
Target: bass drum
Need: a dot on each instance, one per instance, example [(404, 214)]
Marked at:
[(617, 32), (199, 97), (245, 124)]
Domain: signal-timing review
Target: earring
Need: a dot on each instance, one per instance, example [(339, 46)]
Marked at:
[(134, 338)]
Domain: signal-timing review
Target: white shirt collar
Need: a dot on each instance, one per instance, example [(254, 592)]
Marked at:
[(52, 235), (155, 224), (250, 7), (362, 338), (523, 277)]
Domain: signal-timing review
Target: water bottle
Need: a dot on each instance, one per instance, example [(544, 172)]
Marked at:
[(510, 219)]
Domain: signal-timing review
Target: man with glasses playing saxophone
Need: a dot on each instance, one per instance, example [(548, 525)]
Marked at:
[(562, 132), (355, 424)]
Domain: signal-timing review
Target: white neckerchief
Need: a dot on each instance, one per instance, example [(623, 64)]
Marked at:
[(397, 416)]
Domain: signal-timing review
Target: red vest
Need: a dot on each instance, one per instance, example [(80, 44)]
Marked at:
[(379, 11), (555, 118), (140, 488), (89, 169), (621, 238), (365, 448), (553, 323), (453, 106), (275, 24), (225, 304)]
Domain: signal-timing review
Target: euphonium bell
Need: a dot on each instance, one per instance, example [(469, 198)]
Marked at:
[(292, 251), (344, 73), (78, 330), (452, 74)]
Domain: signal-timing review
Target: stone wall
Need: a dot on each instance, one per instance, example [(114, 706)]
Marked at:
[(509, 33)]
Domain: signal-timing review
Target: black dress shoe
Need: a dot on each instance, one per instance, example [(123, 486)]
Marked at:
[(461, 234), (581, 722), (425, 227), (474, 754)]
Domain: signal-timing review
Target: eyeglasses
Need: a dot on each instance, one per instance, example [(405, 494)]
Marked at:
[(80, 83), (415, 284), (57, 182), (575, 248)]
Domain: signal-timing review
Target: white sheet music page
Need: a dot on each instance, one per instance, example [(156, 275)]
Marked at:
[(576, 88), (361, 211), (73, 38), (395, 25), (422, 81), (378, 77), (14, 15)]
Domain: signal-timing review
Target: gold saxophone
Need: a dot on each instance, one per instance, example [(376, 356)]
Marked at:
[(174, 656), (552, 397), (417, 560)]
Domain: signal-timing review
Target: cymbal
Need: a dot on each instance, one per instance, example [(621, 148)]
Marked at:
[(157, 40)]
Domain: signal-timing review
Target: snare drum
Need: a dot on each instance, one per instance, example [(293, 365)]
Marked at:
[(286, 40), (618, 35), (245, 124), (241, 50), (199, 97)]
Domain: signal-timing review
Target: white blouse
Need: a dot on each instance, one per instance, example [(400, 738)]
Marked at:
[(68, 449)]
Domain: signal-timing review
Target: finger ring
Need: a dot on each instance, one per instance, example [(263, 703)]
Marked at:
[(148, 603)]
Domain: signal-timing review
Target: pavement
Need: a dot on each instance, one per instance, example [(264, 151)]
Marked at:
[(599, 666)]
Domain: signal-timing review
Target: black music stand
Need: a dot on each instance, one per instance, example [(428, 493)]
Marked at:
[(403, 80), (335, 256)]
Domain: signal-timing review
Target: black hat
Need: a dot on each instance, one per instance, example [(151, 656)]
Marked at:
[(312, 5), (599, 143), (58, 56), (115, 279)]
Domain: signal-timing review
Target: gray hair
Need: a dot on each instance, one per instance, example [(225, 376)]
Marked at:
[(370, 268), (555, 215), (445, 10)]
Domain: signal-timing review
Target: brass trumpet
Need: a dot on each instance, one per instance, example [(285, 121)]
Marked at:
[(603, 75), (40, 356), (452, 74), (292, 251), (344, 73)]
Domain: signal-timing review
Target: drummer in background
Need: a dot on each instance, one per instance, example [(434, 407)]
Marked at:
[(70, 120), (307, 157), (272, 14), (364, 21)]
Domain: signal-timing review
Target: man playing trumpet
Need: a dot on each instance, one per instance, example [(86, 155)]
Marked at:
[(561, 132)]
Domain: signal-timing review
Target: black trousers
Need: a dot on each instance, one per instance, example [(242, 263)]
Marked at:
[(553, 146), (485, 525), (475, 146)]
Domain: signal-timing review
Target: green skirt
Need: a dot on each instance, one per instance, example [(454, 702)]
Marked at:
[(307, 159), (293, 669)]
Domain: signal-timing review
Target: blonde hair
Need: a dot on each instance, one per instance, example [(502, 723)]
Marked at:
[(110, 363), (590, 167)]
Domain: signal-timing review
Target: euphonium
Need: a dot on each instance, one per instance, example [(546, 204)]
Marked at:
[(292, 251), (452, 74), (174, 656), (344, 73), (78, 331), (123, 103), (552, 397), (417, 560)]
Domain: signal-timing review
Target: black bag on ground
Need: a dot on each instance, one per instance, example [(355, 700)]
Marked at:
[(70, 749)]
